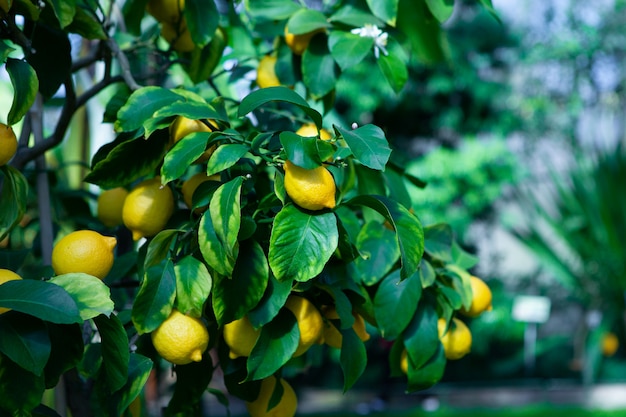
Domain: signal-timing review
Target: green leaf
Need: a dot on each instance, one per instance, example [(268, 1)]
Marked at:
[(182, 155), (305, 152), (195, 108), (441, 9), (193, 286), (395, 304), (428, 276), (86, 24), (306, 20), (155, 298), (25, 341), (225, 211), (408, 228), (394, 70), (385, 10), (204, 61), (487, 4), (212, 249), (224, 157), (141, 106), (90, 294), (13, 199), (115, 351), (429, 374), (159, 247), (301, 243), (379, 252), (349, 49), (262, 96), (275, 346), (353, 15), (128, 161), (134, 11), (191, 382), (319, 70), (202, 18), (66, 341), (426, 38), (234, 297), (461, 283), (353, 357), (114, 404), (18, 399), (368, 144), (271, 9), (40, 299), (5, 50), (64, 10), (25, 85), (421, 337), (438, 241), (273, 300), (462, 258)]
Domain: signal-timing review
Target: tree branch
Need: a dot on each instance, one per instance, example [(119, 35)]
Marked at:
[(124, 64)]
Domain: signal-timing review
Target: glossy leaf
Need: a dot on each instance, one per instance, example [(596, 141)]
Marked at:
[(182, 155), (429, 374), (40, 299), (353, 357), (225, 211), (191, 382), (141, 105), (202, 18), (319, 70), (305, 152), (25, 341), (134, 11), (441, 9), (18, 399), (462, 283), (301, 243), (224, 157), (64, 10), (273, 300), (438, 241), (385, 10), (353, 15), (212, 249), (349, 49), (86, 23), (155, 298), (271, 9), (13, 199), (25, 86), (204, 61), (193, 286), (90, 294), (368, 144), (234, 297), (306, 20), (262, 96), (114, 404), (394, 70), (426, 39), (421, 337), (115, 351), (395, 304), (427, 273), (378, 251)]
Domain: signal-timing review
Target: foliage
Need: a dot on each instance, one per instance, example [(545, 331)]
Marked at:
[(253, 246)]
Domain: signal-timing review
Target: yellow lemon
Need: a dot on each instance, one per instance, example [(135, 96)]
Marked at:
[(610, 344), (166, 11), (457, 341), (332, 336), (310, 322), (8, 143), (312, 189), (147, 208), (110, 204), (179, 39), (286, 407), (481, 298), (299, 43), (404, 362), (7, 275), (240, 336), (181, 339), (84, 251), (190, 186), (310, 130), (266, 73), (182, 126)]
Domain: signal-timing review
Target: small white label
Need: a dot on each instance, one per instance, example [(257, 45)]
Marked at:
[(531, 308)]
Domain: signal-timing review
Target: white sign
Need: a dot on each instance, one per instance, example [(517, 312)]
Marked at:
[(531, 308)]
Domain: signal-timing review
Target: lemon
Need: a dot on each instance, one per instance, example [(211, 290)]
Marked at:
[(610, 343), (84, 251), (134, 409), (179, 39), (166, 11), (332, 336), (147, 208), (481, 298), (310, 130), (404, 362), (299, 43), (6, 275), (190, 186), (286, 407), (240, 337), (110, 204), (182, 126), (457, 341), (181, 339), (312, 189), (310, 322), (266, 73), (8, 143)]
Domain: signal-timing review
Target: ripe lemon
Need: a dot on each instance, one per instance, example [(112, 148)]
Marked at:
[(7, 275), (610, 343), (240, 337), (190, 186), (286, 407), (8, 143), (310, 130), (182, 126), (312, 189), (404, 362), (310, 322), (481, 298), (84, 251), (457, 341), (110, 204), (181, 339), (266, 72), (332, 336), (299, 43), (147, 208), (179, 39), (166, 11)]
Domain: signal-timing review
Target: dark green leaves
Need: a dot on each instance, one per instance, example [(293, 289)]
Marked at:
[(25, 341), (50, 46), (224, 157), (25, 85), (395, 303), (386, 10), (441, 9), (155, 299), (353, 357), (301, 243), (306, 152), (349, 49), (193, 285), (271, 9), (13, 199), (368, 144), (263, 96), (378, 251), (40, 299), (319, 70), (426, 39), (115, 351), (202, 19)]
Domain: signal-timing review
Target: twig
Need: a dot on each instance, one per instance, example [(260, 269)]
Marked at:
[(124, 64)]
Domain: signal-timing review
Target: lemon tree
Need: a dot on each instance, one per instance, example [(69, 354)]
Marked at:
[(211, 230)]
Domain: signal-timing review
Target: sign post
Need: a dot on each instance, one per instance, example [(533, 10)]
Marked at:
[(532, 310)]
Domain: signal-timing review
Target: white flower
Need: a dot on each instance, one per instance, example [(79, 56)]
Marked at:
[(380, 37)]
